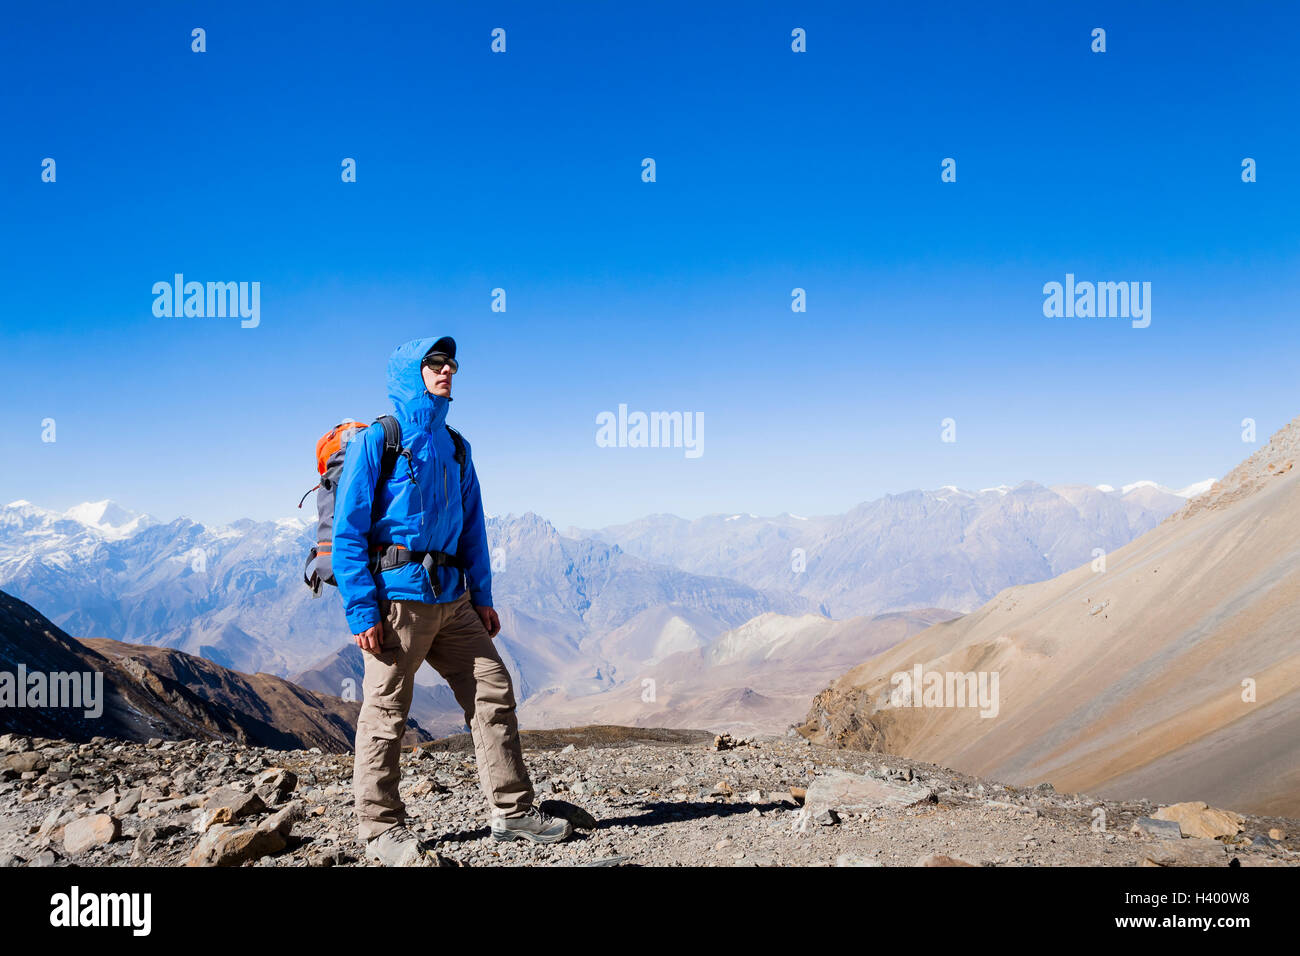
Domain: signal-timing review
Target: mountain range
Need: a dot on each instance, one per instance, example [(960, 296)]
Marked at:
[(585, 614), (949, 548)]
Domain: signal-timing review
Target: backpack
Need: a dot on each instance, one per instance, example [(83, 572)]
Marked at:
[(330, 450)]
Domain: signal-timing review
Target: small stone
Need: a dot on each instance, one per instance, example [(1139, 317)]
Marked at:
[(229, 805), (1191, 851), (856, 793), (231, 846), (1267, 843), (88, 832), (276, 784), (939, 859), (281, 821), (51, 826), (24, 763), (1157, 829), (1277, 833), (130, 800)]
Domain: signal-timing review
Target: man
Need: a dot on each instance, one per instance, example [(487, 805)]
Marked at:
[(401, 553)]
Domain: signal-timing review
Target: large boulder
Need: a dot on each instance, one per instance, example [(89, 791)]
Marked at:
[(1197, 819)]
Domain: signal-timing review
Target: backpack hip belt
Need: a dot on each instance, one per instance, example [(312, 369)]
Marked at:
[(385, 557)]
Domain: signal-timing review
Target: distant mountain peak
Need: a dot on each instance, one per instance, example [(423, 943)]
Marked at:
[(1144, 483), (1199, 488), (108, 517)]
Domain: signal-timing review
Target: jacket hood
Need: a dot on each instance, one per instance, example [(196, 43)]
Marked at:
[(406, 386)]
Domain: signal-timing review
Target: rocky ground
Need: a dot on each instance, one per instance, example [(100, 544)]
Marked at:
[(639, 797)]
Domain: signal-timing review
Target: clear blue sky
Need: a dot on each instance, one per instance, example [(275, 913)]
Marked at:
[(523, 171)]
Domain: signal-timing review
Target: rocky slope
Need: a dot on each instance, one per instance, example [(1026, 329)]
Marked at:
[(637, 797), (1174, 672), (756, 678), (155, 692)]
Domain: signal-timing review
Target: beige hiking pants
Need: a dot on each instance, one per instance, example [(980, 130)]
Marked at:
[(453, 639)]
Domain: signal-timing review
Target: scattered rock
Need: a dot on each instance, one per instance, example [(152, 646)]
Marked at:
[(227, 805), (1192, 851), (854, 813), (1157, 829), (128, 803), (232, 846), (29, 762), (98, 830), (858, 793)]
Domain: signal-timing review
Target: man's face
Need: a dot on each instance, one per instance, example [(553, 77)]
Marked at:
[(437, 379)]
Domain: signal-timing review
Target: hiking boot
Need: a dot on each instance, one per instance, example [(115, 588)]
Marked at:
[(533, 825), (398, 846)]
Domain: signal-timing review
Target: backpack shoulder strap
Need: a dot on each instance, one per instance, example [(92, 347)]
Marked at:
[(459, 442), (392, 445)]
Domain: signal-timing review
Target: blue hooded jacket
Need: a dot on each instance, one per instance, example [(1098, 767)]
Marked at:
[(437, 511)]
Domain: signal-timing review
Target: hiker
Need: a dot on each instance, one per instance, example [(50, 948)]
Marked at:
[(411, 560)]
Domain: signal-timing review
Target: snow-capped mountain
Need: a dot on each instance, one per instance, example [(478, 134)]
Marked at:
[(1191, 491), (234, 594)]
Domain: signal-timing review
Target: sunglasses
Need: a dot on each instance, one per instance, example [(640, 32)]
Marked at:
[(437, 361)]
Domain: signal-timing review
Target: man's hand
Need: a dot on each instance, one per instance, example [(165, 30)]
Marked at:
[(490, 620), (371, 639)]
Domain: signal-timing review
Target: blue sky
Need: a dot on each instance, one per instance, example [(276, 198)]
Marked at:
[(522, 170)]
